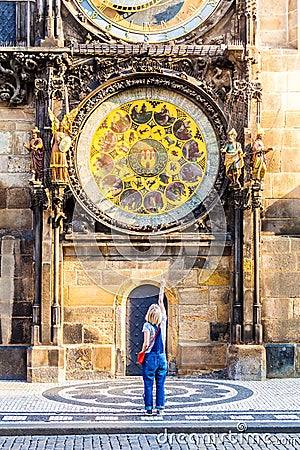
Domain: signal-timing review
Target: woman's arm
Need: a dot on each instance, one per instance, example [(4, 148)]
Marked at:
[(161, 297), (146, 340)]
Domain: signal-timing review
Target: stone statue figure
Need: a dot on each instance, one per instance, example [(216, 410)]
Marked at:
[(61, 142), (259, 166), (234, 159), (36, 149)]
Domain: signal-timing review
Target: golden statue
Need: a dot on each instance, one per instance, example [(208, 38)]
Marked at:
[(61, 142), (234, 158), (259, 163)]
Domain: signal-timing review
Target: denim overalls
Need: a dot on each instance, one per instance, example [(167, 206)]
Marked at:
[(155, 367)]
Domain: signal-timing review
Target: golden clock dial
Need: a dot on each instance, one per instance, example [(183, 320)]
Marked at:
[(151, 21), (148, 156)]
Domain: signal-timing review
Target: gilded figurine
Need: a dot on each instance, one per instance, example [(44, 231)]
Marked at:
[(259, 163), (36, 149), (234, 159), (60, 144)]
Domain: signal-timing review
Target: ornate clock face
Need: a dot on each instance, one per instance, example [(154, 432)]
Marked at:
[(145, 158), (150, 21), (148, 157)]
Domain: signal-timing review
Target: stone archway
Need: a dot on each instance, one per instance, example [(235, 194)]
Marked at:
[(122, 300)]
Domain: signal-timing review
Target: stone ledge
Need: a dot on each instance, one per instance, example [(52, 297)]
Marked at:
[(246, 362)]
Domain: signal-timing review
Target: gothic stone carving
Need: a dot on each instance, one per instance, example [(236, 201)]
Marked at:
[(206, 68), (20, 71)]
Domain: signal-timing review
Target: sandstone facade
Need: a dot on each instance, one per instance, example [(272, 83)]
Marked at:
[(214, 322)]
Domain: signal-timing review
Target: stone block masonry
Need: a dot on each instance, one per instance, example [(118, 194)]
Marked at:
[(93, 314), (280, 288)]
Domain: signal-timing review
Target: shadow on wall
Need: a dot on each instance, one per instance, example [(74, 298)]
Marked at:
[(16, 290), (282, 216), (15, 306)]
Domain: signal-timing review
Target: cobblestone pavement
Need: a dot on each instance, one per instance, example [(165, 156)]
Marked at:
[(115, 406), (181, 441)]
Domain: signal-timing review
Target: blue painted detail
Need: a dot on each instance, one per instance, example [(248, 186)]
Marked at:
[(280, 360), (8, 22), (168, 14)]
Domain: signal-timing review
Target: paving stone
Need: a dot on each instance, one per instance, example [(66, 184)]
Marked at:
[(191, 403)]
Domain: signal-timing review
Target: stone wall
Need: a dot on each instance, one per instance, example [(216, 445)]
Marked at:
[(280, 241), (204, 315), (88, 320), (279, 23), (280, 288), (15, 127), (16, 278), (94, 312), (280, 119), (280, 72)]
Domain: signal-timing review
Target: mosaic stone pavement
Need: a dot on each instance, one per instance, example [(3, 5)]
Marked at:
[(116, 404)]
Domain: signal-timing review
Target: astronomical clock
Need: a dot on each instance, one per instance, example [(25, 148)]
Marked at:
[(145, 155), (146, 158), (146, 21)]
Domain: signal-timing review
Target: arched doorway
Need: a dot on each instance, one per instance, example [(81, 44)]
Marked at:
[(138, 303)]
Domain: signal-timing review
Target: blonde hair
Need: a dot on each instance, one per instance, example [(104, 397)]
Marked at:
[(154, 314)]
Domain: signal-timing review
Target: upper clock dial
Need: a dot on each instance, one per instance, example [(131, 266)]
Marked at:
[(125, 5), (151, 21)]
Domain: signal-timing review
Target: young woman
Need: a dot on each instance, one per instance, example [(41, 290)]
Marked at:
[(155, 365)]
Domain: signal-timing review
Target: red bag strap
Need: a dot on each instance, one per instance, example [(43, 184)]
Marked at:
[(154, 337)]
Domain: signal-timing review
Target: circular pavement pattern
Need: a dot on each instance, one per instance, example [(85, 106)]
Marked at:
[(127, 395)]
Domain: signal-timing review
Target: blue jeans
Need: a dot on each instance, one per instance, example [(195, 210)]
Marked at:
[(155, 367)]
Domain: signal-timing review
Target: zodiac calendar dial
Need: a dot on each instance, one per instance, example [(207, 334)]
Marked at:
[(148, 157), (150, 21), (145, 158)]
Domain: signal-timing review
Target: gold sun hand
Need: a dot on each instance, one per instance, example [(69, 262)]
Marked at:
[(126, 6)]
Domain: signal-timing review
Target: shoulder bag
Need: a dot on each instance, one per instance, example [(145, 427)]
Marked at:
[(141, 355)]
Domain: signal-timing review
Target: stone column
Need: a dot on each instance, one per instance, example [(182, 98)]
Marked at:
[(46, 359), (57, 200), (239, 201), (256, 206), (247, 358), (37, 204)]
